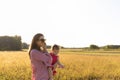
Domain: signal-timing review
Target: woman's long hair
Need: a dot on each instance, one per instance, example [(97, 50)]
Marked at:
[(33, 43)]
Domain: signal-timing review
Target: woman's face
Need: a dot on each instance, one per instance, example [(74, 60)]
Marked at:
[(41, 41)]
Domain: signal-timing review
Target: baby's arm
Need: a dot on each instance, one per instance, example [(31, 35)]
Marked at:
[(55, 65), (59, 63)]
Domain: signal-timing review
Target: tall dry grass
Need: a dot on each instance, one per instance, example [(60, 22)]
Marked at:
[(16, 66)]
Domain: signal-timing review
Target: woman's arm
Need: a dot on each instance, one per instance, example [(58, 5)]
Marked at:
[(37, 55), (50, 73)]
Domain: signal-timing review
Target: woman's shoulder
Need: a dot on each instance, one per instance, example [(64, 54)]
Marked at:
[(37, 51), (50, 53), (34, 51)]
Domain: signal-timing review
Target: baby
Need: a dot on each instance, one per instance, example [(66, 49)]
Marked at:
[(55, 58)]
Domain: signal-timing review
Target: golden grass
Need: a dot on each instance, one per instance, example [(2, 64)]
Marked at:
[(16, 66)]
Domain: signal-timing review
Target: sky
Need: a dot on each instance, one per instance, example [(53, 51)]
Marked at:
[(70, 23)]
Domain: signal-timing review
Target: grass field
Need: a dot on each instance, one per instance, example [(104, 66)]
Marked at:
[(79, 65)]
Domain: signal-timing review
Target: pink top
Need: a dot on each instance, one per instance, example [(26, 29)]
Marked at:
[(54, 60), (40, 62)]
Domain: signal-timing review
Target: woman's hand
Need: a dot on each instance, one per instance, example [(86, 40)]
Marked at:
[(50, 79), (50, 73), (44, 47)]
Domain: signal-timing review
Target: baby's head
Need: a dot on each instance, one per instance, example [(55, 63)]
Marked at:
[(55, 49)]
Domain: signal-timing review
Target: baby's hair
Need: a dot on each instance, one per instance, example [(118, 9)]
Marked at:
[(57, 47)]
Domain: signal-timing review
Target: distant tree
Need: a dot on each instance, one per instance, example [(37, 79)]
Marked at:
[(25, 45), (111, 47), (10, 43), (48, 46), (17, 43), (94, 46), (62, 47)]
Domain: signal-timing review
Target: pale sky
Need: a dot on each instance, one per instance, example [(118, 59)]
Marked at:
[(71, 23)]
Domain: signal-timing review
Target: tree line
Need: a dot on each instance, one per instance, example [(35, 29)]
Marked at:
[(104, 47), (12, 43)]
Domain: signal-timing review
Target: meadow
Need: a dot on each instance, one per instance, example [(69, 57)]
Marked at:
[(79, 65)]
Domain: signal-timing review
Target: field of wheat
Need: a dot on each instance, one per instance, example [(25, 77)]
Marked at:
[(15, 65)]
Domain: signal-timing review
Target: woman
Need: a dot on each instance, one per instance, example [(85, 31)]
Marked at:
[(40, 59)]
